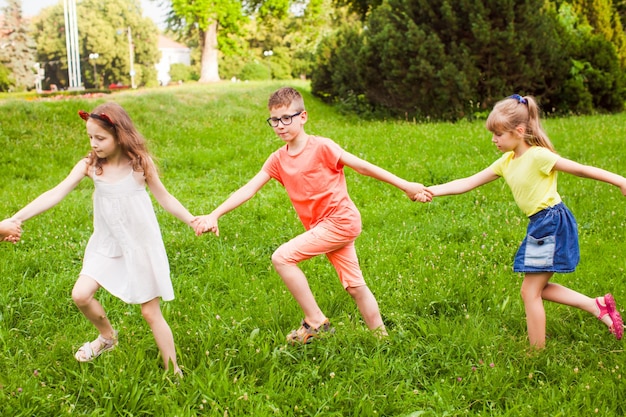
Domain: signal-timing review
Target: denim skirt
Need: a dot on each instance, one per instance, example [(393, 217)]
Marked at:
[(551, 242)]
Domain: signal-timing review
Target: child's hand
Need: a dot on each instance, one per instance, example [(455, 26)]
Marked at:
[(203, 224), (10, 230), (424, 197), (417, 192), (11, 238)]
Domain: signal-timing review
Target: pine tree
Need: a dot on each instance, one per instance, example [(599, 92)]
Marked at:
[(17, 47)]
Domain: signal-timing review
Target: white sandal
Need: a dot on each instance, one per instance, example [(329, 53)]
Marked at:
[(87, 354)]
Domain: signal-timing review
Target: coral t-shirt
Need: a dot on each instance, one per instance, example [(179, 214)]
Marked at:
[(316, 184)]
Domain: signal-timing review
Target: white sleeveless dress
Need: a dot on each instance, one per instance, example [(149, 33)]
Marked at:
[(126, 254)]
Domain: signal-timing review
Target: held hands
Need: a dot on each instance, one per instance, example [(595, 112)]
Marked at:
[(417, 192), (203, 224), (10, 230)]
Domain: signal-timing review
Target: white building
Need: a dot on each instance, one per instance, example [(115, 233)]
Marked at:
[(172, 52)]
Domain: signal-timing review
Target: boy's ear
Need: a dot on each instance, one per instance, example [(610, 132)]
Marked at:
[(304, 116)]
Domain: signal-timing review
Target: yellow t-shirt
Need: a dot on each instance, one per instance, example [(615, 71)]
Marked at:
[(531, 178)]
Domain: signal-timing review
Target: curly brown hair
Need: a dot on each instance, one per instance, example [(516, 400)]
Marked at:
[(114, 119)]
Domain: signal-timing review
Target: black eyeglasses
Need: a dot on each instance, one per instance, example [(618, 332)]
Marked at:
[(286, 119)]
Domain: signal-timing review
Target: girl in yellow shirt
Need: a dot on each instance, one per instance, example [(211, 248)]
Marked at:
[(529, 166)]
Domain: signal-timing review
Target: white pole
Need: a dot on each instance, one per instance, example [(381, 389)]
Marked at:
[(79, 82), (68, 46), (71, 42), (131, 51)]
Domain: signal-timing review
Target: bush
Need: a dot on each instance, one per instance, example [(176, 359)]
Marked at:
[(433, 59), (182, 72), (255, 71), (5, 78)]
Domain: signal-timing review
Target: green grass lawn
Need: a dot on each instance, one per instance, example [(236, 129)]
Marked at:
[(442, 274)]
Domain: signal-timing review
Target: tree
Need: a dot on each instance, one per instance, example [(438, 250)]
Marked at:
[(292, 31), (103, 28), (597, 79), (450, 59), (6, 82), (207, 18), (17, 47), (604, 17), (360, 7), (439, 59)]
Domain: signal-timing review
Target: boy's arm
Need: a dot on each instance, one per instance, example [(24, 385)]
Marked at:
[(464, 185), (412, 189), (209, 222), (586, 171), (53, 196)]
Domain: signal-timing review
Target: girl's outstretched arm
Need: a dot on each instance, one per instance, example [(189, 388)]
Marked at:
[(587, 171), (54, 196), (208, 223), (414, 190), (167, 200), (464, 185)]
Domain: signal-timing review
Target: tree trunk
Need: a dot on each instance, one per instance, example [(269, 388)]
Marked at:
[(208, 71)]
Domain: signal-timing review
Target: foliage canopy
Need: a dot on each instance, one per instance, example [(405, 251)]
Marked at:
[(103, 29), (423, 59)]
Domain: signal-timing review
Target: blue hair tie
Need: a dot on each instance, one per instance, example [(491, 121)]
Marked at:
[(519, 99)]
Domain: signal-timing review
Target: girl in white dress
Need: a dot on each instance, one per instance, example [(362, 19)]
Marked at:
[(125, 255)]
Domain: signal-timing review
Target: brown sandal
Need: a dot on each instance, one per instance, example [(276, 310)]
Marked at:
[(305, 334)]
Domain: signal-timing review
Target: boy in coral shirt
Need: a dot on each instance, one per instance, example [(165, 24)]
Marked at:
[(311, 170)]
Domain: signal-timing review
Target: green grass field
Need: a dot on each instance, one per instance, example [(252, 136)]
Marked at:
[(442, 274)]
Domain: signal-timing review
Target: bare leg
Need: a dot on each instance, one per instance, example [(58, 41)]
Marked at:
[(151, 312), (83, 295), (563, 295), (532, 290), (368, 306), (298, 286)]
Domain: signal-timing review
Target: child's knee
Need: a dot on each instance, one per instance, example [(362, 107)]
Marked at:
[(80, 296), (358, 292), (150, 313), (278, 257)]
